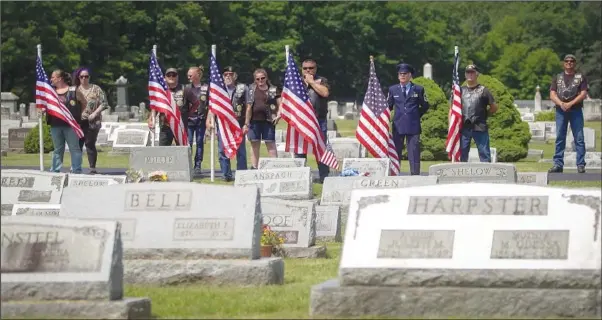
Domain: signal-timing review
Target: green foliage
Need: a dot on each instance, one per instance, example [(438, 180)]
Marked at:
[(32, 140), (507, 132), (546, 116), (434, 122)]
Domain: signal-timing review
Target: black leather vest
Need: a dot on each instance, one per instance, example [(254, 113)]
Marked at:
[(567, 92), (202, 95), (239, 101), (319, 103), (474, 105)]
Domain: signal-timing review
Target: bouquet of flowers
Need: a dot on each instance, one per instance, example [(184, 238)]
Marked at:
[(270, 238), (134, 176), (160, 176)]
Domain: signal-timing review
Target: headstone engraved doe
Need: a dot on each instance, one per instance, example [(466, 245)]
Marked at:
[(57, 267), (468, 247), (183, 229)]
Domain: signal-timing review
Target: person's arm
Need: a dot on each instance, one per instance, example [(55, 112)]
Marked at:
[(554, 95), (320, 86), (424, 102), (390, 100), (582, 94), (491, 102)]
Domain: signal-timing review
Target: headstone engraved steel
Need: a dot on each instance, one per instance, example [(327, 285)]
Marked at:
[(375, 167), (295, 221), (176, 161), (286, 183), (31, 186), (474, 172), (175, 217), (280, 163)]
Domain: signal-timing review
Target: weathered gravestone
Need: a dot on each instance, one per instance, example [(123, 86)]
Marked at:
[(589, 136), (280, 163), (286, 183), (176, 161), (16, 138), (538, 131), (128, 139), (282, 152), (332, 134), (375, 167), (182, 232), (461, 172), (295, 222), (328, 223), (85, 180), (57, 267), (102, 138), (9, 124), (593, 160), (473, 155), (30, 186), (479, 250), (36, 209), (279, 135), (550, 128), (532, 178), (535, 154)]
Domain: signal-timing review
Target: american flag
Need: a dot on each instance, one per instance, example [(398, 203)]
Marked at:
[(304, 134), (161, 100), (221, 106), (452, 145), (48, 100), (373, 128)]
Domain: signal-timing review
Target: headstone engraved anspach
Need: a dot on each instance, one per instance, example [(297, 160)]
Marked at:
[(128, 139), (85, 181), (57, 267), (30, 186), (461, 249), (279, 163), (461, 172), (286, 183), (176, 161), (295, 222), (375, 167), (182, 231), (328, 223), (16, 138), (35, 209), (532, 178)]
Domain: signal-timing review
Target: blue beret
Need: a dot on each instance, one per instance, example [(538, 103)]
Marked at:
[(404, 67)]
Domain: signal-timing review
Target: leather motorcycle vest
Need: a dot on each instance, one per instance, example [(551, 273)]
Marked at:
[(178, 97), (202, 96), (567, 92), (272, 105), (473, 108), (238, 101)]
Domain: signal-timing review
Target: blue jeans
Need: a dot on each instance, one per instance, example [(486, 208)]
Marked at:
[(224, 162), (323, 169), (575, 118), (197, 127), (60, 135), (481, 139)]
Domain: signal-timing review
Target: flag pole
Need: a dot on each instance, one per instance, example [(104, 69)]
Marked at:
[(213, 49), (40, 129), (153, 133)]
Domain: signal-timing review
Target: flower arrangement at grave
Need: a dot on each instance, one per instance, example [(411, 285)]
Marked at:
[(157, 176), (270, 241), (134, 176)]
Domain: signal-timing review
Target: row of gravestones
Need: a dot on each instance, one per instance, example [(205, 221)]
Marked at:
[(543, 131), (122, 113)]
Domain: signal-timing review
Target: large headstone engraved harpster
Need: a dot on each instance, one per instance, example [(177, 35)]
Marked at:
[(461, 172), (30, 186)]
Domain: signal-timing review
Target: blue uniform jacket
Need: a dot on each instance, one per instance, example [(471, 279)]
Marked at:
[(408, 111)]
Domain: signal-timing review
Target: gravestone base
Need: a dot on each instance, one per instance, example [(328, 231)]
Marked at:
[(120, 151), (264, 271), (311, 252), (331, 299), (330, 238), (128, 308)]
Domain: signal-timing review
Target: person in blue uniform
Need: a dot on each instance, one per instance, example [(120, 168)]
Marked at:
[(409, 103)]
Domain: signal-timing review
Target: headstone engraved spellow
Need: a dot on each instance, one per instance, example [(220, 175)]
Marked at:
[(461, 172), (286, 183), (532, 178), (30, 186), (57, 267), (473, 155), (375, 167), (328, 223), (176, 161), (84, 180), (295, 222), (128, 139), (182, 230), (463, 248), (44, 210), (280, 163), (16, 138)]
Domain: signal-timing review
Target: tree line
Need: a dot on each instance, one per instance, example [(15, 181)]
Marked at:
[(519, 43)]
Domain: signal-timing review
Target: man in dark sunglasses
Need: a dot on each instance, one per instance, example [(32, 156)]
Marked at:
[(568, 90), (318, 91)]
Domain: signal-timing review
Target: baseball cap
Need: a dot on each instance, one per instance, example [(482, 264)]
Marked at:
[(174, 70), (570, 56), (472, 67)]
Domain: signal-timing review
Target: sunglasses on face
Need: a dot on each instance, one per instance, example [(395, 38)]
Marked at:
[(569, 61), (228, 74), (308, 68), (403, 73), (84, 76), (171, 75), (258, 79)]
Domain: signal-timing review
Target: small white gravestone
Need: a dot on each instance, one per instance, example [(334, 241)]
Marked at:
[(538, 131), (175, 161), (280, 163), (331, 134), (589, 136), (328, 223), (295, 221), (279, 136), (473, 155), (346, 148), (593, 160), (550, 129), (375, 167), (286, 183), (532, 178), (528, 117)]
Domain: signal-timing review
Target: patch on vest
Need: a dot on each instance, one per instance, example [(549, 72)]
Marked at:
[(203, 98), (273, 107), (72, 102), (180, 103), (239, 108)]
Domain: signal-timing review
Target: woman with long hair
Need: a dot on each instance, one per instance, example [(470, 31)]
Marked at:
[(60, 130), (94, 101)]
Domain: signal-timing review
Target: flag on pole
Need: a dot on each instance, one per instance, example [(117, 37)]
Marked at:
[(161, 100), (298, 112), (221, 106), (373, 128), (452, 144), (48, 100)]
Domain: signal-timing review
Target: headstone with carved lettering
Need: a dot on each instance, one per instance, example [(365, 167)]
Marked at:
[(176, 161), (461, 249), (280, 163), (593, 160), (286, 183), (16, 138), (328, 223), (374, 167), (128, 139), (58, 267), (9, 124), (532, 178), (36, 209), (98, 180), (177, 231), (30, 186), (461, 172), (295, 222)]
